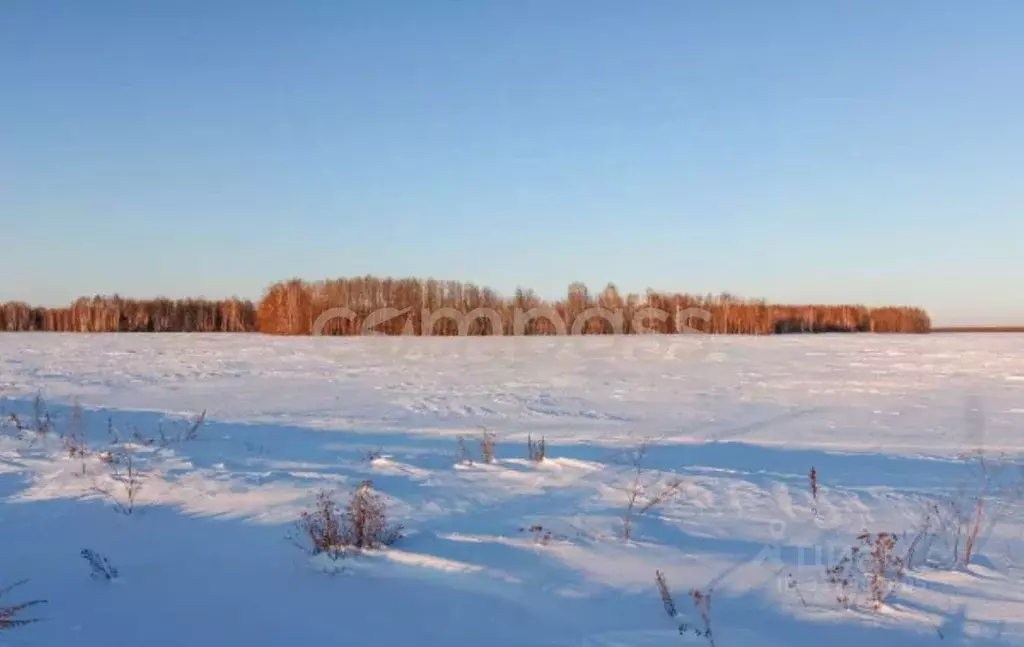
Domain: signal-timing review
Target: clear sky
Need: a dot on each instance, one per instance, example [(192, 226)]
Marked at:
[(865, 151)]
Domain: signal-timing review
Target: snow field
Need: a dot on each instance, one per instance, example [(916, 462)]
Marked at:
[(890, 423)]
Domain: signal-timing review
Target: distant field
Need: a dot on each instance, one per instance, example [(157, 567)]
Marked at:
[(979, 329)]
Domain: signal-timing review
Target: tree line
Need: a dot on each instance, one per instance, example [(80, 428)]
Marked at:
[(359, 305), (115, 314), (440, 307)]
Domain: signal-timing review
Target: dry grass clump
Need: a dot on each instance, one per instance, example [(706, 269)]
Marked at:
[(362, 524), (9, 614)]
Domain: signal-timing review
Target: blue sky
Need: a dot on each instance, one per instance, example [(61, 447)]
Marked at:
[(862, 151)]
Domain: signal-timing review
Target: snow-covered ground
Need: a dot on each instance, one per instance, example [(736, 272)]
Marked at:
[(892, 425)]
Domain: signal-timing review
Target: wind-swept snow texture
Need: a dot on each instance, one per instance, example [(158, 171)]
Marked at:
[(899, 430)]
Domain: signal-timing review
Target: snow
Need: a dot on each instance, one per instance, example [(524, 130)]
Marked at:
[(890, 423)]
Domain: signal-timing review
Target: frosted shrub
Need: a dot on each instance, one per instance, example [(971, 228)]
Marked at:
[(363, 524), (872, 565)]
